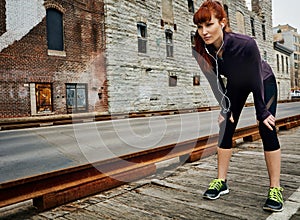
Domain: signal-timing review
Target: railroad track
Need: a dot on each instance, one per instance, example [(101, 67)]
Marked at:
[(52, 189)]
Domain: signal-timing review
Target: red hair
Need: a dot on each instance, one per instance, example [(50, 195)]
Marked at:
[(204, 15)]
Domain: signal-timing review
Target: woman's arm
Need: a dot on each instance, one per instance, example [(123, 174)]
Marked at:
[(254, 68)]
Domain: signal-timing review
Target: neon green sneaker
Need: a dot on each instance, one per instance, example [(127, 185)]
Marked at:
[(274, 202), (216, 188)]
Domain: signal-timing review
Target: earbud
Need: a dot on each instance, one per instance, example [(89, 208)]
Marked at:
[(223, 25)]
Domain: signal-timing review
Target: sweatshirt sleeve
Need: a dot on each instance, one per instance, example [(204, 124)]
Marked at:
[(254, 69)]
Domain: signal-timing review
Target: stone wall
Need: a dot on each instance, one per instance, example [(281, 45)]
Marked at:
[(131, 87)]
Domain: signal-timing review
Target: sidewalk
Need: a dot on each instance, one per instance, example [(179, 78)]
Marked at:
[(176, 192)]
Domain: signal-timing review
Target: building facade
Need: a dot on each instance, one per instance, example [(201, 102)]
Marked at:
[(283, 70), (51, 57), (150, 64), (289, 37), (63, 56)]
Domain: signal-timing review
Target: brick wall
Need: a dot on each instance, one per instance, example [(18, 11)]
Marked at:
[(26, 60)]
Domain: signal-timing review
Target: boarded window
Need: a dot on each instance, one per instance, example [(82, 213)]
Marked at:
[(76, 97), (167, 11), (142, 37), (169, 43), (55, 30), (240, 22), (172, 81), (43, 97)]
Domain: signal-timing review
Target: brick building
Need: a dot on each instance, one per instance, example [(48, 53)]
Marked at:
[(63, 56), (51, 57)]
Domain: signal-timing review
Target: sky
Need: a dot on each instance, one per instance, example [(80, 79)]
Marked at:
[(286, 12)]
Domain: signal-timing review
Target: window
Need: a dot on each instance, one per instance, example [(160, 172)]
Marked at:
[(282, 64), (43, 97), (196, 80), (167, 11), (287, 64), (169, 43), (172, 81), (278, 63), (191, 6), (193, 38), (240, 22), (142, 37), (263, 26), (76, 97), (55, 29), (265, 55), (227, 13), (2, 18), (252, 26)]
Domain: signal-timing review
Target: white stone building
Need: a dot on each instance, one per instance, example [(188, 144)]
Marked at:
[(149, 57)]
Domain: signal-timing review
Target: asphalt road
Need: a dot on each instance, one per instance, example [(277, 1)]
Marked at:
[(34, 151)]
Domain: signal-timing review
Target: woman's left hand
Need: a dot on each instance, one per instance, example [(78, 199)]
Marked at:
[(270, 120)]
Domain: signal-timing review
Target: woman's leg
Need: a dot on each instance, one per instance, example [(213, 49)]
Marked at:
[(224, 156), (269, 138), (227, 129), (272, 150), (273, 161)]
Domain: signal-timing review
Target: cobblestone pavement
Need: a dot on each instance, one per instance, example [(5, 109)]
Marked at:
[(175, 192)]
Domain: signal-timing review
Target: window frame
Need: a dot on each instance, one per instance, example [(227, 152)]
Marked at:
[(142, 37), (55, 32), (75, 107), (169, 43)]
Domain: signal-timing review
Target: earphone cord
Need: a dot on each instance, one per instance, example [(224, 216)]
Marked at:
[(224, 96)]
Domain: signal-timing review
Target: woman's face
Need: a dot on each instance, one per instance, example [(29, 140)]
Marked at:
[(211, 31)]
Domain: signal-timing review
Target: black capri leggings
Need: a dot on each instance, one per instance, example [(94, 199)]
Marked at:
[(227, 128)]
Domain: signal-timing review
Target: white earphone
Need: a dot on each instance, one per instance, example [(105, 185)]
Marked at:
[(223, 25), (224, 96)]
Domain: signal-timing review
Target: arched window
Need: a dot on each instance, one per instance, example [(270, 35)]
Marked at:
[(240, 22), (55, 33), (2, 18), (227, 13)]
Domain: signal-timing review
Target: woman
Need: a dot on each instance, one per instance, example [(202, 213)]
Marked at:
[(235, 56)]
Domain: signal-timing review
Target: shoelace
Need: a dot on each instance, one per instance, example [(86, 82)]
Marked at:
[(216, 184), (275, 194)]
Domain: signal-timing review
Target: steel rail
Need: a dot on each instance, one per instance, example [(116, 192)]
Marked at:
[(55, 188)]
